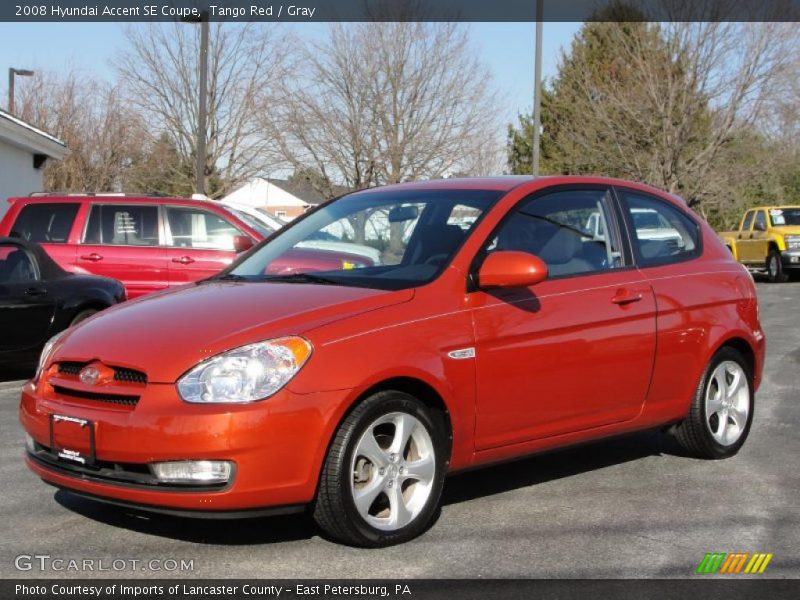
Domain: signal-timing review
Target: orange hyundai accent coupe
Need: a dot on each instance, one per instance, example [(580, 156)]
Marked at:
[(506, 316)]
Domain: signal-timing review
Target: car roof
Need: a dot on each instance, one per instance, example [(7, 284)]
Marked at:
[(773, 207), (506, 183), (116, 198)]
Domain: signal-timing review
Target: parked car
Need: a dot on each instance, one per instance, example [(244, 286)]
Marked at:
[(148, 243), (38, 299), (267, 224), (768, 241), (355, 391)]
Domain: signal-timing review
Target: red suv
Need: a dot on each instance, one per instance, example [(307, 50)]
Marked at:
[(501, 320), (147, 243)]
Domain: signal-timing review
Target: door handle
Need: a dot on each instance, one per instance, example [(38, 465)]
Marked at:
[(184, 260), (94, 257), (623, 297), (36, 292)]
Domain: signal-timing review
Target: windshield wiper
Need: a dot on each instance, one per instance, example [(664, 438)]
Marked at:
[(229, 277), (300, 278)]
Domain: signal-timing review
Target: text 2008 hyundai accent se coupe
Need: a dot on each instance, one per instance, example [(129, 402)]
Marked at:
[(507, 316)]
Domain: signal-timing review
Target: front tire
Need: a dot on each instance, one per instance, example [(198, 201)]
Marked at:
[(775, 267), (383, 476), (722, 409)]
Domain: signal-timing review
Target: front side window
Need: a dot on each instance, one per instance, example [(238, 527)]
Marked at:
[(196, 228), (45, 223), (16, 266), (382, 239), (122, 225), (761, 221), (566, 229), (662, 234)]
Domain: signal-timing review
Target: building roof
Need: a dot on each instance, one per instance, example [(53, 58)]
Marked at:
[(16, 132)]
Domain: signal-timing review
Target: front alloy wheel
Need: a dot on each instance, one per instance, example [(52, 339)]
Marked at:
[(384, 472)]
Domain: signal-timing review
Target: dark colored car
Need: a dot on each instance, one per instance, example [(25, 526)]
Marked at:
[(39, 299)]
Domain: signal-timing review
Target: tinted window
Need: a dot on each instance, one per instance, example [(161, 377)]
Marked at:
[(195, 228), (16, 266), (748, 221), (661, 232), (45, 223), (122, 225), (761, 221), (567, 230)]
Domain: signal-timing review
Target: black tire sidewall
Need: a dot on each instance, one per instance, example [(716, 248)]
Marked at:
[(726, 355), (377, 406), (778, 277)]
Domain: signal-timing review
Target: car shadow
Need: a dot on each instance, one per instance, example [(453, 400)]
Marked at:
[(462, 487), (224, 532), (558, 464)]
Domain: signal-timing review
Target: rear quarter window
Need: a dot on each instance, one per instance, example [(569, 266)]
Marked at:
[(660, 233), (45, 223)]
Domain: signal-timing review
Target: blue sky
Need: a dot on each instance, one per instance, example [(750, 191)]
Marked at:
[(506, 48)]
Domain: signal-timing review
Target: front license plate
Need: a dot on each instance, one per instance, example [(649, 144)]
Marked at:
[(72, 439)]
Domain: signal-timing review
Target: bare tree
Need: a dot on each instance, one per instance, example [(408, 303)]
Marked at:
[(386, 102), (159, 71), (103, 136), (668, 104)]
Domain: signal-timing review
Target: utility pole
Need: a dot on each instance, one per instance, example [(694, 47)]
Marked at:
[(537, 91), (200, 174), (12, 73)]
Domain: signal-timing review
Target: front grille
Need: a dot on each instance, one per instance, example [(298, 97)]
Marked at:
[(70, 368), (129, 375), (120, 399), (120, 373)]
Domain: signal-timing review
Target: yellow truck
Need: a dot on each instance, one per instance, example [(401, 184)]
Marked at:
[(768, 241)]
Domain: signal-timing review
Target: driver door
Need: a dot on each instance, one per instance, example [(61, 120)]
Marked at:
[(575, 351)]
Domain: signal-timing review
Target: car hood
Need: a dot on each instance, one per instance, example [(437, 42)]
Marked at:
[(787, 229), (166, 334)]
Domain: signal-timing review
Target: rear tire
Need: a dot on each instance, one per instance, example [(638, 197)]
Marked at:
[(383, 476), (775, 267), (82, 316), (722, 409)]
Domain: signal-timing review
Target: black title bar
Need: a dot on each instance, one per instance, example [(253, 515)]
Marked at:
[(397, 10)]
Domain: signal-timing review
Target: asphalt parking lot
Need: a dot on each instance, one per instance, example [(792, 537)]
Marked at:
[(630, 507)]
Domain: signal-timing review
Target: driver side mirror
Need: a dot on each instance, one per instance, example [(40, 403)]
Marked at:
[(508, 269), (242, 243)]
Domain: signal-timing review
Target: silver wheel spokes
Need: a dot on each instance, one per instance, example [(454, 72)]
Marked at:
[(392, 471), (727, 403)]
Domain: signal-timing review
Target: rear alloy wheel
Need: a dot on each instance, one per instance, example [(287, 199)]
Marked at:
[(775, 267), (722, 411), (383, 476)]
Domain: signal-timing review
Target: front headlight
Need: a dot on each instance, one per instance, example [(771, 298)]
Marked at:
[(245, 374), (792, 241), (47, 352)]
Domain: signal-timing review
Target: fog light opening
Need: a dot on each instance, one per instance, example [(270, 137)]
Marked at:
[(193, 471)]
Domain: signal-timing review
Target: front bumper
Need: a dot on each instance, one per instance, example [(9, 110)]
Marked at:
[(277, 446), (790, 259)]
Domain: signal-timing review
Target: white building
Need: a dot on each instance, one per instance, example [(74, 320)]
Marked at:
[(283, 198), (24, 149)]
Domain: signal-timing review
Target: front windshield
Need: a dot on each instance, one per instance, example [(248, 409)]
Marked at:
[(785, 216), (383, 239)]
